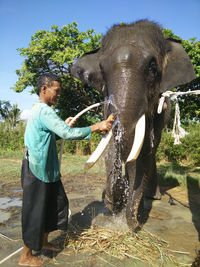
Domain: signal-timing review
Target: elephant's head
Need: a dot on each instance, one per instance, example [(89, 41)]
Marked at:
[(133, 66)]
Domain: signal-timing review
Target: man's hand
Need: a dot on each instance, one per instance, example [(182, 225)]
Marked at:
[(70, 122), (105, 125)]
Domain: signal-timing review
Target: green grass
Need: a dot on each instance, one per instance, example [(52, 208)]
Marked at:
[(10, 165), (72, 164), (10, 170), (175, 174)]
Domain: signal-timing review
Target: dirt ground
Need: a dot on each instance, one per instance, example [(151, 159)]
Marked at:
[(175, 218)]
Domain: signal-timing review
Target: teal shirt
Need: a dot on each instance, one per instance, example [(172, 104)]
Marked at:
[(43, 128)]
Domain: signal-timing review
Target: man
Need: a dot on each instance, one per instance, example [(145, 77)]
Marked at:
[(45, 204)]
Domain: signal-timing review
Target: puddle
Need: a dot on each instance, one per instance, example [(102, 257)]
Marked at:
[(17, 190), (6, 202)]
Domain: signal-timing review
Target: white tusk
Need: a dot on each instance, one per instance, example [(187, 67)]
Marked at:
[(160, 104), (100, 148), (138, 140)]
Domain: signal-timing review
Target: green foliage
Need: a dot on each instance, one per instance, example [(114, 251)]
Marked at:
[(81, 147), (12, 138), (53, 51), (168, 151), (191, 144), (70, 147), (94, 141), (190, 104), (56, 49), (188, 151)]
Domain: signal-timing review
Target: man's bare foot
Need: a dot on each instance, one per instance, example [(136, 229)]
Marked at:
[(48, 246), (27, 258), (31, 261)]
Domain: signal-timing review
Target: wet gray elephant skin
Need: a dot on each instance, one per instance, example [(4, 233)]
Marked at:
[(133, 67)]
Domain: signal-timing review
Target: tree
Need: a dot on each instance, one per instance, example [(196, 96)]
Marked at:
[(4, 109), (53, 51), (189, 104), (9, 114), (13, 116)]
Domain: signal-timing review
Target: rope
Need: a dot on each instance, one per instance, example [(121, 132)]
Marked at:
[(178, 132), (173, 94)]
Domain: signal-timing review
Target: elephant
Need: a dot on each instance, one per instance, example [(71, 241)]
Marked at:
[(133, 66)]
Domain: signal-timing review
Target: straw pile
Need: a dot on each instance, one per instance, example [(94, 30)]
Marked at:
[(143, 246)]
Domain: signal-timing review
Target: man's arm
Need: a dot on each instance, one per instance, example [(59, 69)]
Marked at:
[(102, 126)]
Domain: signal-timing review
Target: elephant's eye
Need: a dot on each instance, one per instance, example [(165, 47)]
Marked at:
[(153, 68), (79, 71)]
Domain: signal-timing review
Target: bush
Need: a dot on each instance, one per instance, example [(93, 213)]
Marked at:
[(94, 141), (168, 151), (188, 150), (191, 144), (12, 138), (69, 146), (83, 147)]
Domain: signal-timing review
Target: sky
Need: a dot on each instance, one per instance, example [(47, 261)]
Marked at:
[(20, 19)]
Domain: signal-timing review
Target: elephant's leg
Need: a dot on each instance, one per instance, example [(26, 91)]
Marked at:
[(152, 189), (114, 197), (135, 174), (152, 140)]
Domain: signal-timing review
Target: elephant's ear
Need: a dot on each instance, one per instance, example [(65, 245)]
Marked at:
[(179, 69), (87, 69)]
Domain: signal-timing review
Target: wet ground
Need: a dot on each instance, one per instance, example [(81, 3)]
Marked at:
[(175, 218)]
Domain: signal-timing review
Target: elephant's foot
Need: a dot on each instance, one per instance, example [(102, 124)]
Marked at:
[(134, 225), (153, 195), (132, 212), (137, 229), (113, 206)]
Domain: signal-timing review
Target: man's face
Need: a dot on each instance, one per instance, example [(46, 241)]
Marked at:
[(52, 93)]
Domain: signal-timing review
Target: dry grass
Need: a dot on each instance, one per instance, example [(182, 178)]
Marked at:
[(142, 247)]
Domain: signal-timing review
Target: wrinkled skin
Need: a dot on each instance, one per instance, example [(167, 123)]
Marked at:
[(134, 65)]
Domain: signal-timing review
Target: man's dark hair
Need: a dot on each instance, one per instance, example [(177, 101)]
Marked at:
[(47, 79)]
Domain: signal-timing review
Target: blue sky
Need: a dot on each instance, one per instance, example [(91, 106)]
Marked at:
[(20, 19)]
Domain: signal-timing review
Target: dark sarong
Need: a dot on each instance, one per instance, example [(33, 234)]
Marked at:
[(44, 208)]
